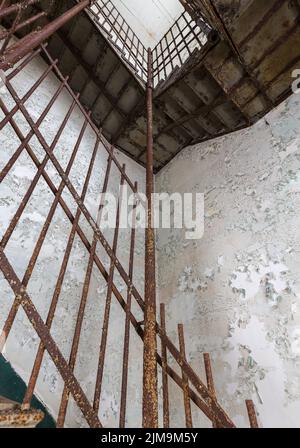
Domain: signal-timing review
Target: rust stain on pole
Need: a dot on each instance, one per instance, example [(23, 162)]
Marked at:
[(252, 414), (210, 382), (185, 381), (150, 396)]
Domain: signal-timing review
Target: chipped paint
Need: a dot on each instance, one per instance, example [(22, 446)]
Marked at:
[(237, 290)]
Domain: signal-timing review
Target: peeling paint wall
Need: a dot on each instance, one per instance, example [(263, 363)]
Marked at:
[(237, 291), (23, 342)]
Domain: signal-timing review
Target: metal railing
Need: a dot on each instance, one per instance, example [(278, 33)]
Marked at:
[(184, 38), (16, 13), (119, 33), (178, 44), (175, 47)]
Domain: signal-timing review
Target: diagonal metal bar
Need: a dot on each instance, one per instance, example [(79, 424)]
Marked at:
[(186, 397), (201, 388), (252, 414), (34, 39), (75, 343), (45, 336), (74, 193), (127, 322), (209, 380), (24, 140), (56, 294), (166, 411), (104, 334), (27, 95), (36, 178), (138, 298), (106, 145), (13, 311)]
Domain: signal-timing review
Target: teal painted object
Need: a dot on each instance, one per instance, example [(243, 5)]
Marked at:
[(13, 388)]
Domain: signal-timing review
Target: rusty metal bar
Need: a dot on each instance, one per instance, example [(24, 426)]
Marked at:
[(114, 261), (24, 140), (192, 376), (12, 30), (203, 391), (22, 25), (23, 64), (34, 39), (36, 178), (75, 195), (20, 135), (210, 380), (150, 394), (45, 336), (185, 389), (61, 276), (33, 88), (75, 343), (252, 414), (6, 11), (166, 411), (13, 311), (93, 126), (103, 343), (127, 321)]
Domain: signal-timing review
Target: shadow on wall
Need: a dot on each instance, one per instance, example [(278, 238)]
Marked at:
[(14, 388)]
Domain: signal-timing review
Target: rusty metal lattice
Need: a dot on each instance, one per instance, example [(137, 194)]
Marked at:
[(10, 54), (178, 44), (83, 225), (120, 35)]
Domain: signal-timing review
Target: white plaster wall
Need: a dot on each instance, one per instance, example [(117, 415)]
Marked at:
[(22, 343), (237, 290), (150, 19)]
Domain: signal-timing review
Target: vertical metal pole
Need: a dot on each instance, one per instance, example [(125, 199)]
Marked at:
[(166, 416), (150, 395), (127, 320), (185, 382), (252, 414), (210, 381)]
